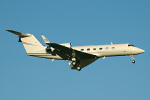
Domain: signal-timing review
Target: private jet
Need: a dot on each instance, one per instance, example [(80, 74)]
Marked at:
[(77, 57)]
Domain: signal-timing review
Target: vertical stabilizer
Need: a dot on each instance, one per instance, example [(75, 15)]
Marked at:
[(30, 43)]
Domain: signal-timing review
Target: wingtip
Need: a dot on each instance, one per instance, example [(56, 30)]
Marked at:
[(9, 30), (19, 33)]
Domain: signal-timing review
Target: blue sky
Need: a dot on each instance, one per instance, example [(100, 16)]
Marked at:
[(80, 22)]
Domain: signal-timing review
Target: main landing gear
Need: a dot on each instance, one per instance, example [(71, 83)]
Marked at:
[(73, 63), (133, 61), (78, 68), (76, 64)]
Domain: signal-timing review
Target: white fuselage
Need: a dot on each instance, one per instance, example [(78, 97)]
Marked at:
[(111, 50), (98, 50)]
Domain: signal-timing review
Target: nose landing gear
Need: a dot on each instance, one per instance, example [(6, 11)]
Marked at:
[(133, 61)]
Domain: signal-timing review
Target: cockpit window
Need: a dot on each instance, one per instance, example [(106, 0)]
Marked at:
[(130, 45)]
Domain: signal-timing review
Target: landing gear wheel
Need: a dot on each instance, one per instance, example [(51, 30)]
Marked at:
[(78, 68), (74, 63), (133, 61)]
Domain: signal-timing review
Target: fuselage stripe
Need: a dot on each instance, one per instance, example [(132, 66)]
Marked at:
[(40, 53)]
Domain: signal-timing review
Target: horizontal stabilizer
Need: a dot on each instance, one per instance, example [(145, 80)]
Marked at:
[(45, 39), (18, 33)]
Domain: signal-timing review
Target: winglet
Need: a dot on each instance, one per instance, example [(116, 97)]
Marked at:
[(45, 39)]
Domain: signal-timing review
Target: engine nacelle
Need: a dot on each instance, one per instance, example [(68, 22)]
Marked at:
[(50, 49), (69, 45)]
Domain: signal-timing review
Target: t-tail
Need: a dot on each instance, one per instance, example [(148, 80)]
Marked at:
[(30, 43)]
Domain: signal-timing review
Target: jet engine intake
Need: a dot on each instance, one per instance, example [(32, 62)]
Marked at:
[(48, 49)]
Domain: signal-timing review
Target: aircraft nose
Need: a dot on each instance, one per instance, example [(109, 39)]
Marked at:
[(141, 51), (138, 50)]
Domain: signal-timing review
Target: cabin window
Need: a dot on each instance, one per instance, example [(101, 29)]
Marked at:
[(94, 48), (82, 49), (100, 48), (88, 49), (113, 48), (106, 48)]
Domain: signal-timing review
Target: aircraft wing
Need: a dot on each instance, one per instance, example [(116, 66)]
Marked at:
[(84, 63), (72, 52), (84, 58)]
